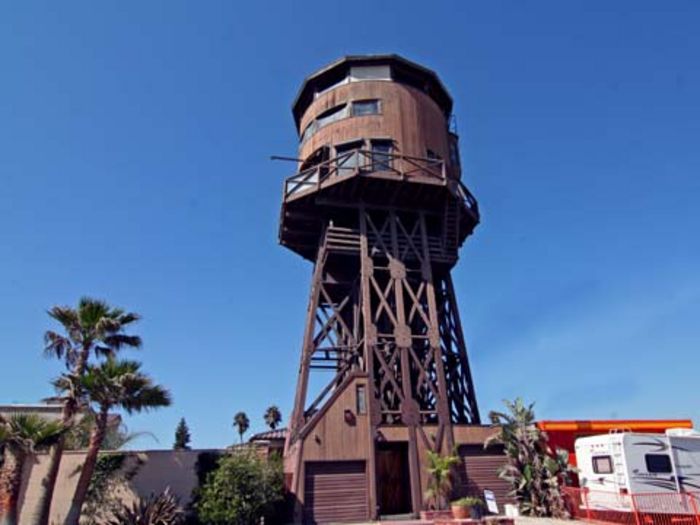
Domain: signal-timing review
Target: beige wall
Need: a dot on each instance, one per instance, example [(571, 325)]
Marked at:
[(159, 469)]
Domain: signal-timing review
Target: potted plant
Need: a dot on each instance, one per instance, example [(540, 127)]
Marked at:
[(467, 507), (439, 485)]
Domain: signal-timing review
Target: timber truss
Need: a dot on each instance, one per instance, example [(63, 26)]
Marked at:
[(382, 305)]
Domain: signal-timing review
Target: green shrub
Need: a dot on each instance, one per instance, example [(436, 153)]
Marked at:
[(243, 489), (468, 501)]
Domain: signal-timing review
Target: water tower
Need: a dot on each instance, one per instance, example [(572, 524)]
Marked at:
[(378, 206)]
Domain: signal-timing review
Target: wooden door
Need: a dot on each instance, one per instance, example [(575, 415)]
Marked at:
[(393, 480)]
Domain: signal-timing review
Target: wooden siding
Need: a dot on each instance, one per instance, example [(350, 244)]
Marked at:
[(335, 491), (334, 438), (481, 473), (410, 118)]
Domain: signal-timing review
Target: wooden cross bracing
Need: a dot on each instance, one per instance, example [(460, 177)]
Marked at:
[(382, 307)]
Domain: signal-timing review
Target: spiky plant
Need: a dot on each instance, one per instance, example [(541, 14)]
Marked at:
[(161, 509), (440, 483), (535, 472)]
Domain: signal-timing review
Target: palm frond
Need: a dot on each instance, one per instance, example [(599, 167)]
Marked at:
[(56, 345), (30, 431), (128, 318), (90, 311), (65, 315), (118, 341)]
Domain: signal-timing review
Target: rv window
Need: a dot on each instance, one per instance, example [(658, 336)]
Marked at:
[(602, 465), (658, 463)]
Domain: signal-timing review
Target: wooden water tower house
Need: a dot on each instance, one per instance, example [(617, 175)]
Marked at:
[(379, 207)]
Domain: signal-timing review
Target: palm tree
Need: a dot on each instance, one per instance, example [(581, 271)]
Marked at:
[(92, 329), (439, 485), (112, 384), (21, 435), (242, 423), (273, 417), (535, 471)]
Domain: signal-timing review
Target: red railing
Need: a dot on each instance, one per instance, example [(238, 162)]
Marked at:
[(634, 509)]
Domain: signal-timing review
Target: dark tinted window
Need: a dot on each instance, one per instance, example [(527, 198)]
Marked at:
[(658, 463), (602, 465), (332, 115), (348, 156), (365, 107), (381, 159)]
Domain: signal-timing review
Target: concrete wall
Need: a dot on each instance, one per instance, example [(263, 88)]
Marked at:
[(158, 470)]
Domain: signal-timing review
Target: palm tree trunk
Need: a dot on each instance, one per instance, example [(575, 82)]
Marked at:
[(81, 489), (41, 512), (10, 484), (42, 509)]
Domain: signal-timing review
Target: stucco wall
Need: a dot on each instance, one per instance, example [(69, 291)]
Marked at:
[(158, 470)]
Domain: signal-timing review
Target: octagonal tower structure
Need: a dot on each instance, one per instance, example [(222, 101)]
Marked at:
[(378, 205)]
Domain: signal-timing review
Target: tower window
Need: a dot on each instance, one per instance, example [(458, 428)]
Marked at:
[(309, 130), (381, 154), (348, 156), (361, 400), (432, 155), (365, 107), (370, 73), (332, 115)]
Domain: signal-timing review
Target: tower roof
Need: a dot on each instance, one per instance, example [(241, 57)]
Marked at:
[(403, 70)]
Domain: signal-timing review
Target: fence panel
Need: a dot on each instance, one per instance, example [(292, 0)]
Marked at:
[(638, 509)]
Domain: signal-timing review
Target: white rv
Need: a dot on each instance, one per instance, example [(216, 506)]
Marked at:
[(617, 465)]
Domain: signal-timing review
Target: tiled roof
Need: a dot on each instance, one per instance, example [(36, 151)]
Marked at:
[(279, 433)]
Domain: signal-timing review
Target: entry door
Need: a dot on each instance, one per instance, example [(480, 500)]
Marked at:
[(393, 479)]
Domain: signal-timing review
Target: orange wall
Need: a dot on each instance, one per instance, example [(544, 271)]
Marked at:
[(563, 434)]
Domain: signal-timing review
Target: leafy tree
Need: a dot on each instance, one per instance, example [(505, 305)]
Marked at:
[(241, 491), (93, 329), (20, 436), (112, 384), (273, 417), (116, 436), (182, 436), (535, 472), (440, 483), (242, 423)]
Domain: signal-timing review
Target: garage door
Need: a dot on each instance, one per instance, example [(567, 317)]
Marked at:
[(335, 491), (481, 473)]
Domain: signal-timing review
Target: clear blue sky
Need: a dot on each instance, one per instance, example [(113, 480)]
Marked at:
[(134, 145)]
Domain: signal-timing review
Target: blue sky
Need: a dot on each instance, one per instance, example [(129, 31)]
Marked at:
[(134, 147)]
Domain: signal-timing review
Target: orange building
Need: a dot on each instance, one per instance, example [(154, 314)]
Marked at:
[(563, 434)]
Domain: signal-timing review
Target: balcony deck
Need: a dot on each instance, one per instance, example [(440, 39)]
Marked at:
[(376, 179)]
